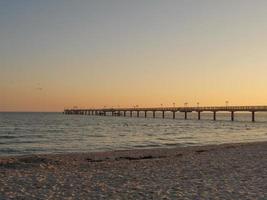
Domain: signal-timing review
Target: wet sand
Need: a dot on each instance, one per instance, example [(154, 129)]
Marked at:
[(230, 171)]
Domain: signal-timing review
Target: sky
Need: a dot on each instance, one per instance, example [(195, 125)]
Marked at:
[(96, 53)]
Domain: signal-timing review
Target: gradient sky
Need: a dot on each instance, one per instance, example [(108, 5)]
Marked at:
[(63, 53)]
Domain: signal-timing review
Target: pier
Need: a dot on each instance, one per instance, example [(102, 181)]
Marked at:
[(213, 109)]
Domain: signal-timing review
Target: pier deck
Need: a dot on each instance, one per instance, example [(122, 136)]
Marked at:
[(185, 110)]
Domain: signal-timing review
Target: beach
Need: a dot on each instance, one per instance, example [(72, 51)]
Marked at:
[(227, 171)]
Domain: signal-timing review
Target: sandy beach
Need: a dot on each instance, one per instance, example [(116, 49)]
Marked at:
[(229, 171)]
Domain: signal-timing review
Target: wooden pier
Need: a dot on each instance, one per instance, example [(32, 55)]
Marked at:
[(173, 110)]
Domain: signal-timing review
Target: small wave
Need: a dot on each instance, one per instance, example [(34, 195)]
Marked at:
[(171, 144), (10, 136), (23, 142), (163, 139), (190, 143), (139, 146), (146, 145), (186, 137), (97, 135), (21, 136), (153, 145)]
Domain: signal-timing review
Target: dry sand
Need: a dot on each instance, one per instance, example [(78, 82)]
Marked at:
[(232, 171)]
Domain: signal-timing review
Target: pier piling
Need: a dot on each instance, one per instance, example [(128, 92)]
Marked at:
[(173, 114), (232, 116), (253, 116), (185, 115), (198, 115)]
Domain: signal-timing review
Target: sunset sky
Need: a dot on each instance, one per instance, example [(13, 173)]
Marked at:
[(64, 53)]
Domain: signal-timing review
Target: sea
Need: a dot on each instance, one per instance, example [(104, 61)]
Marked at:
[(46, 133)]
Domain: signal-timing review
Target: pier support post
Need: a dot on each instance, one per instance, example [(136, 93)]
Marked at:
[(198, 115), (145, 113), (214, 115), (163, 114), (185, 115), (131, 113), (232, 116), (137, 113), (124, 113), (173, 114), (154, 114), (253, 116)]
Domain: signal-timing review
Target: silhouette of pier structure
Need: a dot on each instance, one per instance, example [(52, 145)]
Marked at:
[(213, 109)]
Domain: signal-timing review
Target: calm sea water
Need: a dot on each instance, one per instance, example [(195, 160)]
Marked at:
[(35, 133)]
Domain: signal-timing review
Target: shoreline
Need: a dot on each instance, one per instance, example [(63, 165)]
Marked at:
[(226, 171), (160, 151), (146, 150)]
